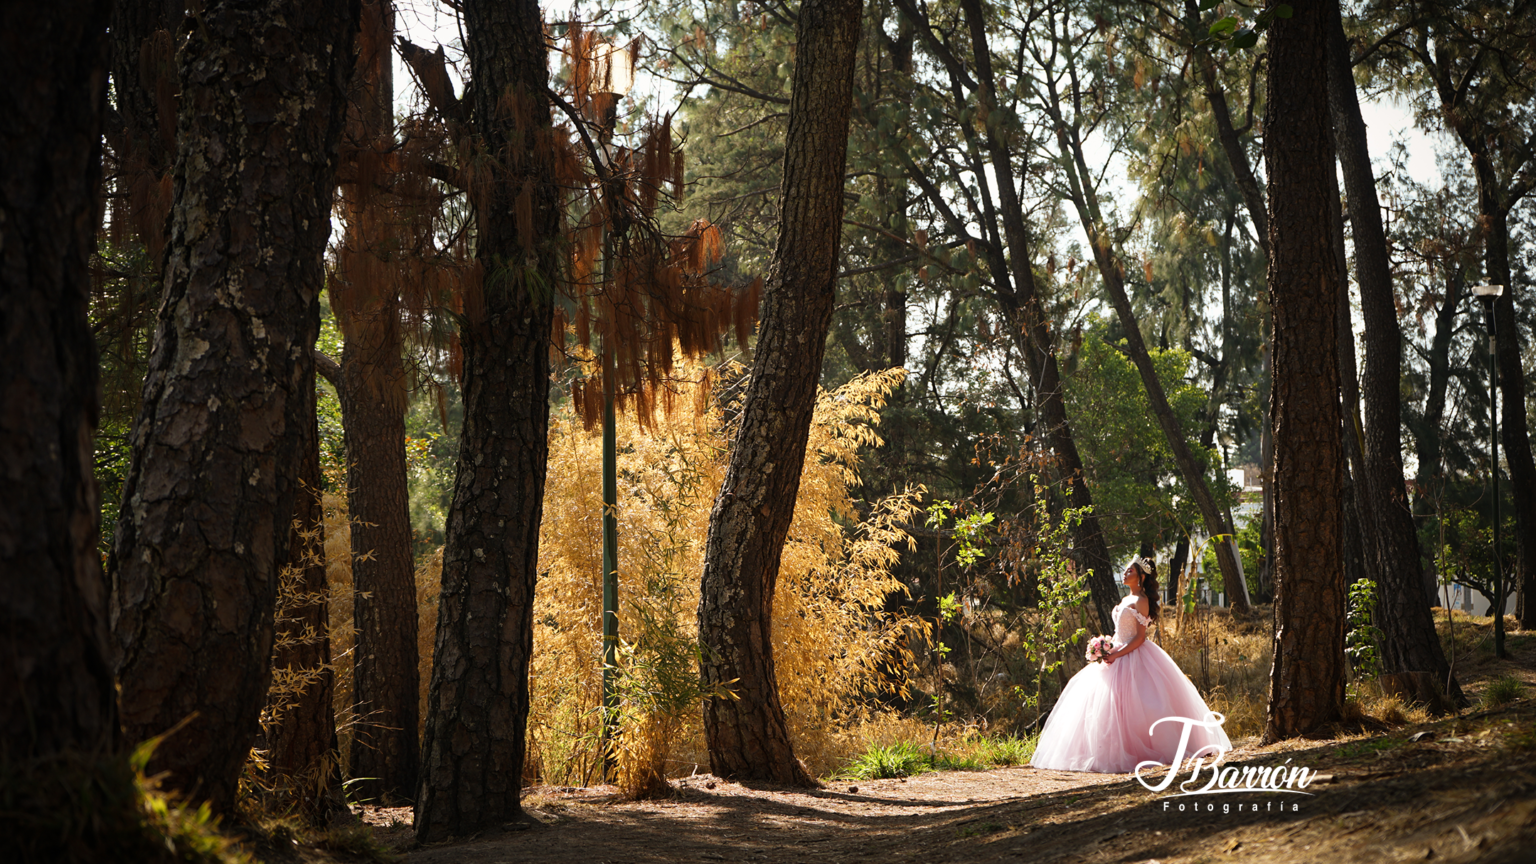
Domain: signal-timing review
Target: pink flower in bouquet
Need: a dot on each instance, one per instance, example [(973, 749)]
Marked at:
[(1099, 647)]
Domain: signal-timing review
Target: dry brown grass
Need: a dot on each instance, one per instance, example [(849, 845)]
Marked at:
[(1227, 659)]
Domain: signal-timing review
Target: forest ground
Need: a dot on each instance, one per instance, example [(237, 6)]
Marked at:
[(1465, 790)]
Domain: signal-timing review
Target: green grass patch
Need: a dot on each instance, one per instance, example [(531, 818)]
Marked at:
[(1502, 691), (1007, 751), (904, 758), (1359, 749)]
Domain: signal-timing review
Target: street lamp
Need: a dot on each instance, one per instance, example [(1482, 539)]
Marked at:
[(1489, 294)]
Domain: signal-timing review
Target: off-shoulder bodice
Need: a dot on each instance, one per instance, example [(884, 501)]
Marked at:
[(1126, 616)]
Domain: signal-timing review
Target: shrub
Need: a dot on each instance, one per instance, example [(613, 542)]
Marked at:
[(835, 648), (1502, 691)]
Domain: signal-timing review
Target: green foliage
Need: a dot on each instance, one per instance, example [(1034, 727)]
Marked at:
[(1362, 639), (78, 807), (1006, 751), (1137, 488), (1237, 35), (1250, 547), (432, 426), (970, 753), (1061, 590), (1466, 554), (902, 759), (1502, 691)]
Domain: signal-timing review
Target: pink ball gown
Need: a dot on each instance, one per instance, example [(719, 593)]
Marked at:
[(1103, 720)]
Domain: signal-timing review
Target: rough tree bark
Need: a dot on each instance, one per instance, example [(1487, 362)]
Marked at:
[(210, 491), (385, 680), (55, 673), (477, 710), (1307, 680), (1411, 656), (746, 735)]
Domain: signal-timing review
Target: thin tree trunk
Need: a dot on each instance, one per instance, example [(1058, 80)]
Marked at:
[(304, 750), (1516, 443), (1307, 680), (1023, 316), (1411, 656), (1427, 438), (1176, 572), (1359, 510), (1030, 327), (477, 708), (210, 490), (384, 675), (365, 297), (746, 733), (55, 673), (1267, 464), (1192, 472), (1231, 145)]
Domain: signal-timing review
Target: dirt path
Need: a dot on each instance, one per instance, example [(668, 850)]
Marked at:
[(1464, 791)]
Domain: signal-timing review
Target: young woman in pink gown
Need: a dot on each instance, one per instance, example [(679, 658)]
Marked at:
[(1103, 720)]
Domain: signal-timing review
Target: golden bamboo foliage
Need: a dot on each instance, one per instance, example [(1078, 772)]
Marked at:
[(338, 580), (834, 645)]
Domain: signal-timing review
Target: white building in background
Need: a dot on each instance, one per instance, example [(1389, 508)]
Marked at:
[(1471, 601)]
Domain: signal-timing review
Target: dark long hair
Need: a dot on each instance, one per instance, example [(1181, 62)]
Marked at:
[(1149, 585)]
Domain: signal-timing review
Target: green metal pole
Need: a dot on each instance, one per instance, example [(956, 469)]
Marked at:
[(610, 545)]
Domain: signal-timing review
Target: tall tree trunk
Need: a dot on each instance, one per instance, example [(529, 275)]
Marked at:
[(364, 294), (1515, 431), (144, 92), (384, 675), (55, 670), (1427, 439), (1030, 326), (1411, 655), (746, 732), (477, 708), (210, 490), (304, 749), (1307, 680), (1267, 464)]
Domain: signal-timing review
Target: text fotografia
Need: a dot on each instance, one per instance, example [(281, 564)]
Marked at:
[(1228, 806), (1205, 766)]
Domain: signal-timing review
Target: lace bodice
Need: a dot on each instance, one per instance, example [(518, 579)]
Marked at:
[(1126, 617)]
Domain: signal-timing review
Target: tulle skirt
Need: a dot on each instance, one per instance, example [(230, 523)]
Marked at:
[(1103, 720)]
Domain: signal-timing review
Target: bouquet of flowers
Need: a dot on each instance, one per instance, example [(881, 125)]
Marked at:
[(1099, 647)]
